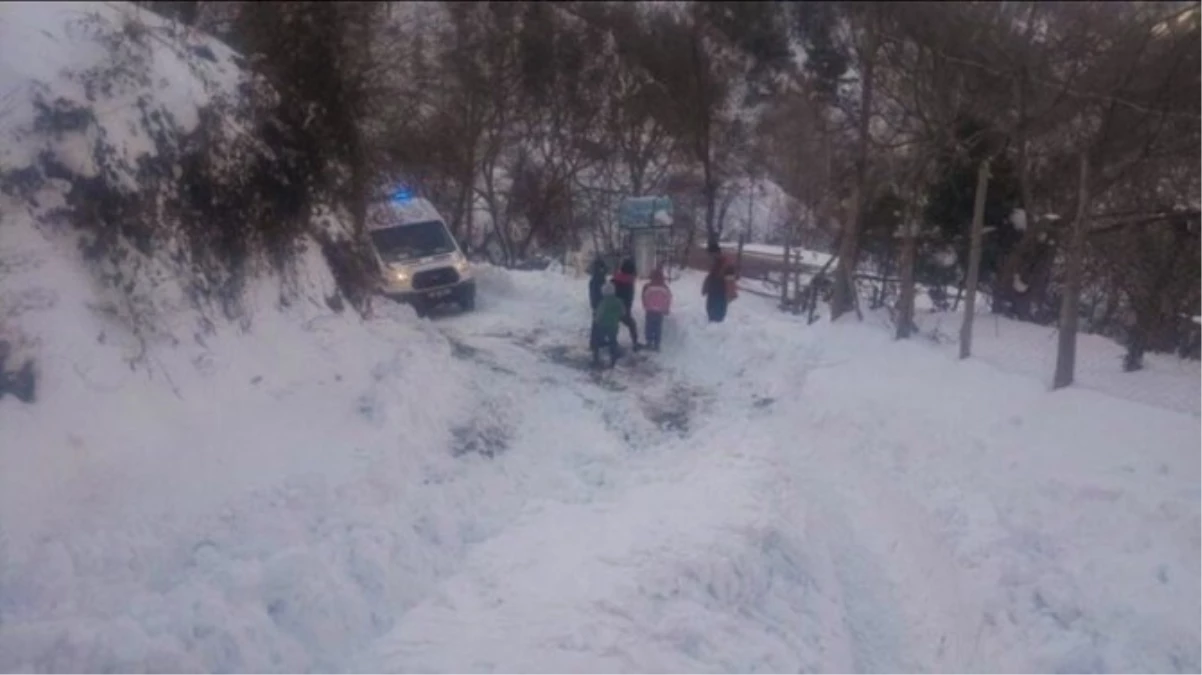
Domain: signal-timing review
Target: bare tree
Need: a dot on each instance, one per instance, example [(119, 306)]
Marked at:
[(974, 259), (1066, 352), (843, 297)]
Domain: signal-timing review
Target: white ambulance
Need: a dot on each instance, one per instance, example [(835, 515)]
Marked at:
[(422, 263)]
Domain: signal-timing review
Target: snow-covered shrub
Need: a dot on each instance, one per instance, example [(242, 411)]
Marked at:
[(176, 204), (16, 378)]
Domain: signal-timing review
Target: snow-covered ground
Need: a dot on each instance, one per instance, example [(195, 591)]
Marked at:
[(761, 496), (319, 493)]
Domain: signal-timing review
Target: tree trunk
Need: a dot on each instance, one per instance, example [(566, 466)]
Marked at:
[(905, 295), (464, 221), (1137, 344), (796, 273), (1066, 353), (704, 129), (739, 256), (842, 300), (974, 259), (1007, 298), (882, 291), (1148, 315), (1106, 323)]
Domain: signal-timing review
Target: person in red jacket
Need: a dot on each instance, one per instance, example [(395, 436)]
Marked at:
[(657, 303), (623, 282)]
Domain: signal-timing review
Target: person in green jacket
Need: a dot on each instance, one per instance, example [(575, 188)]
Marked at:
[(606, 319)]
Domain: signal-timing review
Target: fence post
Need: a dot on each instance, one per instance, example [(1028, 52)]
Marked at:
[(796, 270), (785, 271), (739, 257)]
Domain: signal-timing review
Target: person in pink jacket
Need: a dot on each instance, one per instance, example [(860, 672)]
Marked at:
[(657, 302)]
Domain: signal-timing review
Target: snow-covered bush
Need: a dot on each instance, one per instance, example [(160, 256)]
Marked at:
[(176, 203), (15, 378)]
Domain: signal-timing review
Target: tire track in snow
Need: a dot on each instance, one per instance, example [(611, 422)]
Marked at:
[(659, 576), (907, 609), (895, 580)]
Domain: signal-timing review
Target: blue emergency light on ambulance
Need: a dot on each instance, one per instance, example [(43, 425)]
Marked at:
[(402, 195)]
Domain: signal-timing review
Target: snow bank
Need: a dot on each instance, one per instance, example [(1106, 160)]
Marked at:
[(161, 499), (1029, 349)]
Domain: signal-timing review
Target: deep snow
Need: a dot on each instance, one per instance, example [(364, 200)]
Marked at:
[(762, 496), (319, 493)]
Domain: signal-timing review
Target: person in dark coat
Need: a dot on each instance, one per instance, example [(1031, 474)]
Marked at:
[(623, 282), (597, 272), (719, 287)]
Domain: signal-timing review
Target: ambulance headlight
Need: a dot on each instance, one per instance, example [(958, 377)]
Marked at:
[(462, 266)]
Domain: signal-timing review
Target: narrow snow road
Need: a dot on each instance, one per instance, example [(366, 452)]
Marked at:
[(699, 537), (683, 548)]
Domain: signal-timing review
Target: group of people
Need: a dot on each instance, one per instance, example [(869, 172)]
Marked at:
[(612, 303)]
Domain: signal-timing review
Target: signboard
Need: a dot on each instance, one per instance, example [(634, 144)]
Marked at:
[(636, 213)]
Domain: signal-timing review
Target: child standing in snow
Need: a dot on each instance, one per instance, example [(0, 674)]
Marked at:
[(606, 319), (657, 302)]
